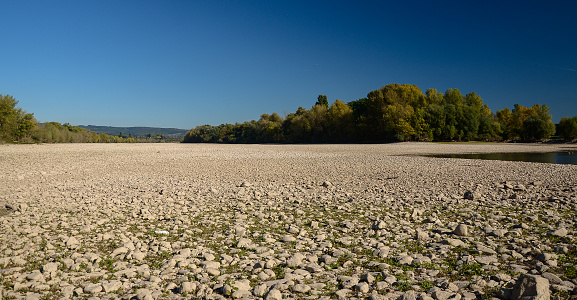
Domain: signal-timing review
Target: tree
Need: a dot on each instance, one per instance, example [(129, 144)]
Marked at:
[(340, 122), (535, 128), (527, 123), (568, 128), (15, 123), (26, 124), (322, 100)]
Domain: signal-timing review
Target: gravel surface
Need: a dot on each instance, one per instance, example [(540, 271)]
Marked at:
[(182, 221)]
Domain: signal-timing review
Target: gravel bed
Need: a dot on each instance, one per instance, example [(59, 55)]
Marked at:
[(187, 221)]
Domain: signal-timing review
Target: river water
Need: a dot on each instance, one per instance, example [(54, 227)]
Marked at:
[(550, 158)]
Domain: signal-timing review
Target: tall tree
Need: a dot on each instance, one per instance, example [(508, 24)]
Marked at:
[(568, 128), (15, 123), (322, 100)]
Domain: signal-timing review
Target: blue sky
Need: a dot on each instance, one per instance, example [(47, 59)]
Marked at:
[(187, 63)]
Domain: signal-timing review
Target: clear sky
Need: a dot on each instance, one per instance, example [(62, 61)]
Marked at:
[(187, 63)]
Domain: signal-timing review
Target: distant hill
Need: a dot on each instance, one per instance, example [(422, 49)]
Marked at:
[(137, 131)]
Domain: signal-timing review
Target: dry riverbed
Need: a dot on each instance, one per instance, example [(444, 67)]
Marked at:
[(182, 221)]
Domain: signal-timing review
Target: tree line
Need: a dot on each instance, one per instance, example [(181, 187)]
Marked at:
[(16, 125), (395, 112)]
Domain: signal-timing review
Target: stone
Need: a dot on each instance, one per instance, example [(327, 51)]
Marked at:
[(362, 287), (405, 260), (531, 287), (119, 251), (409, 295), (378, 225), (295, 260), (461, 230), (260, 290), (561, 232), (144, 294), (327, 184), (50, 267), (72, 243), (301, 288), (241, 294), (343, 293), (469, 195), (112, 286), (455, 242), (288, 238), (421, 235), (243, 285), (487, 259), (93, 288), (544, 256), (187, 287), (273, 294), (36, 276), (243, 242), (552, 277), (439, 294)]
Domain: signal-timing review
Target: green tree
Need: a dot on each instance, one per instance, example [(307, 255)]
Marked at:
[(15, 123), (340, 122), (527, 123), (322, 100), (568, 128)]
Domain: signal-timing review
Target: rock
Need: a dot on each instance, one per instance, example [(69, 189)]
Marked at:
[(36, 276), (144, 294), (362, 287), (187, 287), (487, 259), (552, 278), (243, 285), (544, 256), (93, 288), (349, 282), (301, 288), (461, 230), (295, 260), (72, 243), (531, 287), (455, 242), (439, 294), (119, 251), (485, 249), (405, 260), (378, 225), (50, 267), (421, 235), (273, 294), (469, 195), (410, 295), (343, 293), (561, 232), (241, 294), (112, 286), (260, 290), (288, 238), (243, 242), (327, 184)]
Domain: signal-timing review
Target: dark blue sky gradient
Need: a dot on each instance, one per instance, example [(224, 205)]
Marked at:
[(187, 63)]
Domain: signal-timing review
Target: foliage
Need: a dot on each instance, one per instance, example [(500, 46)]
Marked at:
[(568, 128), (526, 123), (15, 123), (395, 112)]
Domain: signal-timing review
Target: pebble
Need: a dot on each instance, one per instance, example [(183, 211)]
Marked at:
[(267, 221)]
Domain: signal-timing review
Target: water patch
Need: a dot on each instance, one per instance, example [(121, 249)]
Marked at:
[(567, 158)]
